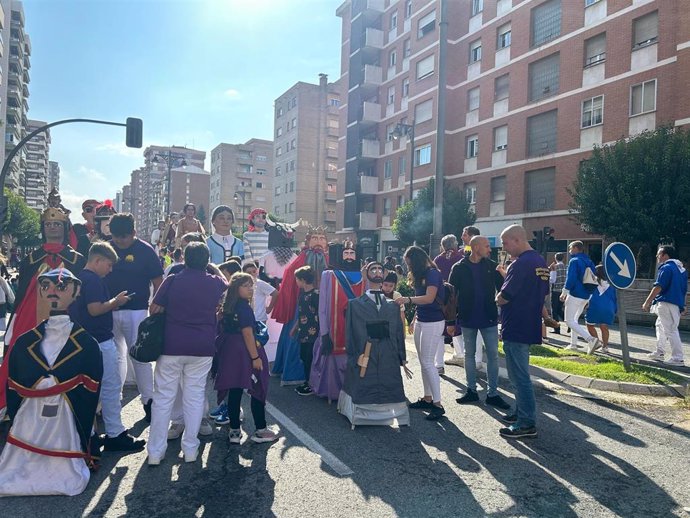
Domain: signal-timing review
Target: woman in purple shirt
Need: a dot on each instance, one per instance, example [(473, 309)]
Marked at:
[(190, 300), (429, 324)]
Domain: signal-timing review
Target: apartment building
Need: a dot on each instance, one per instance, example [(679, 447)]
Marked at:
[(241, 177), (53, 175), (14, 88), (36, 174), (531, 87), (306, 130)]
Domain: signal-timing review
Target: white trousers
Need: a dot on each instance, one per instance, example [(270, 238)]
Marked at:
[(667, 320), (173, 373), (573, 308), (177, 416), (427, 336), (111, 387), (125, 325), (459, 348)]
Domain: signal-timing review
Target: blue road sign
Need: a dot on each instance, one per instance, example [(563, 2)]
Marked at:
[(619, 265)]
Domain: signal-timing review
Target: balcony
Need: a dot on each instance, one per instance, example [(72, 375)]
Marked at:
[(373, 76), (369, 149), (367, 221), (370, 10), (331, 196), (368, 184), (371, 113), (373, 39)]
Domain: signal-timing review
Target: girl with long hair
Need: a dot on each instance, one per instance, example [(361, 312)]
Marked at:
[(602, 308), (242, 362), (428, 325)]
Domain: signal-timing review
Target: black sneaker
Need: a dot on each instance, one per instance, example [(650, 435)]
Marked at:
[(147, 410), (510, 419), (304, 390), (498, 402), (435, 413), (513, 432), (124, 442), (421, 404), (470, 396), (95, 446)]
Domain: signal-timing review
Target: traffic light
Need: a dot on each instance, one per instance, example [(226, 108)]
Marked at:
[(538, 240), (548, 237), (135, 130)]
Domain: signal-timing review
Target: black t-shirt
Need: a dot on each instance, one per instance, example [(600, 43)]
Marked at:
[(93, 289), (137, 266)]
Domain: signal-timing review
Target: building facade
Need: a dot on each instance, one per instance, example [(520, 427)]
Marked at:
[(241, 177), (306, 130), (37, 172), (53, 175), (530, 86)]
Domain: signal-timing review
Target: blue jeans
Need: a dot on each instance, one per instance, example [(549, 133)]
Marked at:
[(490, 336), (517, 361)]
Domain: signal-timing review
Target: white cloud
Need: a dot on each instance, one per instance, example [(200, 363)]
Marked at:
[(232, 94), (121, 149), (88, 176)]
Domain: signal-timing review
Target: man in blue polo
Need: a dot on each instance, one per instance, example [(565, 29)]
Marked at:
[(667, 300), (521, 300)]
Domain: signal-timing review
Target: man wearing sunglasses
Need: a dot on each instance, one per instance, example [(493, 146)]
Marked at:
[(30, 310), (86, 233)]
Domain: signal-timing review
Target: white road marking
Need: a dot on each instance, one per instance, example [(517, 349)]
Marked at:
[(334, 462)]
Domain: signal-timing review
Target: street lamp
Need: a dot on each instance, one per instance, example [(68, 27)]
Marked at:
[(401, 129), (242, 193), (169, 159)]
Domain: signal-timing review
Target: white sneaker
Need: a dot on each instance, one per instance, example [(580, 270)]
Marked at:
[(656, 355), (191, 457), (572, 348), (604, 350), (175, 431), (235, 436), (154, 461), (594, 345), (264, 435), (674, 362), (458, 361), (205, 428)]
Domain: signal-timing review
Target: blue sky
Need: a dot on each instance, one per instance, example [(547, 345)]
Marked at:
[(198, 72)]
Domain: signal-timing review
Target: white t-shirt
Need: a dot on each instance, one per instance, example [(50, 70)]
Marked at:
[(262, 292)]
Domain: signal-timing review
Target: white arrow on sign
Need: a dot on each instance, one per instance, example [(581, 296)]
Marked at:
[(625, 271)]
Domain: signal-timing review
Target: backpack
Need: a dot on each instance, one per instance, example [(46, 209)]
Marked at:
[(449, 302), (150, 339)]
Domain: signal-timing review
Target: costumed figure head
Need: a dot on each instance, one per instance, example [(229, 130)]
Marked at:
[(189, 210), (316, 246), (343, 256), (88, 211), (281, 240), (55, 201), (122, 230), (222, 219), (59, 287), (257, 220), (55, 226), (104, 212), (390, 281), (375, 274)]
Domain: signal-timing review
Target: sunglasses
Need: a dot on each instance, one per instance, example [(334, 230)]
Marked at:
[(53, 224), (89, 210), (59, 286)]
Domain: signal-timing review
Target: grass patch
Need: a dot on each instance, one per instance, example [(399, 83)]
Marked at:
[(592, 366)]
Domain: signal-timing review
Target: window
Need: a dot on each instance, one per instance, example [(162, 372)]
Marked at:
[(279, 131), (292, 165), (426, 24), (590, 2), (595, 49), (334, 102), (477, 7), (471, 193), (540, 189), (293, 103), (402, 166), (546, 22), (259, 185), (292, 144), (330, 187), (472, 146), (280, 112), (645, 30), (261, 172), (408, 8), (504, 35), (501, 87), (278, 171), (422, 155), (542, 134), (261, 158), (386, 206), (277, 190), (544, 77), (391, 94), (294, 120), (473, 99), (389, 132), (407, 48), (423, 111), (276, 210), (394, 19), (498, 188), (292, 186), (593, 111), (500, 138), (643, 98), (292, 207), (279, 151), (388, 168), (392, 58), (406, 87), (475, 51), (425, 67)]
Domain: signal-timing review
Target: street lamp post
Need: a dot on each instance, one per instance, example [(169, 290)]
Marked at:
[(169, 160), (402, 129), (242, 193)]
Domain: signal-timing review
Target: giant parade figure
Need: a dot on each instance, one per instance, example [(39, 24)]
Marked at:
[(339, 285), (287, 362), (29, 309), (55, 373), (255, 239)]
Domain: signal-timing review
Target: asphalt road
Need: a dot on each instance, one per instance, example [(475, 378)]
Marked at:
[(593, 457)]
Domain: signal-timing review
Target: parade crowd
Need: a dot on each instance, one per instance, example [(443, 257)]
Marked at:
[(228, 312)]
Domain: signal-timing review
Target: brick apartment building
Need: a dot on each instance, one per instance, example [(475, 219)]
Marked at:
[(306, 123), (531, 87)]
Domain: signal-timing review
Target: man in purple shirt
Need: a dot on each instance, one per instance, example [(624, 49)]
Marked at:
[(521, 300)]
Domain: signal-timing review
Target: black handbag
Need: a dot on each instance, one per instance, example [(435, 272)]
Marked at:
[(150, 339)]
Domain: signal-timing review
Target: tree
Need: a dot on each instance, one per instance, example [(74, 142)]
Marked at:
[(414, 220), (23, 222), (637, 190)]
